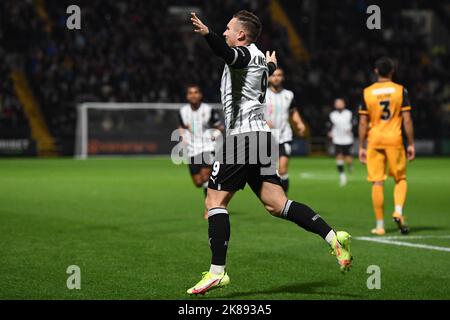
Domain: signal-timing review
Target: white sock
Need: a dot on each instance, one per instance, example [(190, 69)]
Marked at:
[(330, 236), (214, 269), (342, 179), (398, 209), (380, 224)]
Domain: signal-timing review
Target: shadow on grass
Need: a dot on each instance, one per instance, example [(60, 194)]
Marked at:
[(413, 229), (298, 288), (237, 213)]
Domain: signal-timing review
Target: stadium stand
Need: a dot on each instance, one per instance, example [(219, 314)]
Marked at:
[(118, 56)]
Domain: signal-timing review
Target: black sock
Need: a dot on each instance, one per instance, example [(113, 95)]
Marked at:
[(285, 184), (340, 168), (219, 234), (306, 218)]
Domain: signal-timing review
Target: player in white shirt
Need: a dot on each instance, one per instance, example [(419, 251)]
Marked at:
[(281, 111), (341, 134), (242, 158), (196, 121)]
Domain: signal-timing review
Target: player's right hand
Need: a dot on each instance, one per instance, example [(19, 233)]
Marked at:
[(362, 155), (199, 26)]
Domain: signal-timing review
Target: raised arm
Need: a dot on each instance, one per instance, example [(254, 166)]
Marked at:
[(237, 57)]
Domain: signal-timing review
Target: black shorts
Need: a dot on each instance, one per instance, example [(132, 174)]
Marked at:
[(245, 158), (345, 149), (285, 149), (200, 161)]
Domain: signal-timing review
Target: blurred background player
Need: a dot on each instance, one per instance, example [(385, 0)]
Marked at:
[(385, 105), (341, 134), (281, 111), (196, 118)]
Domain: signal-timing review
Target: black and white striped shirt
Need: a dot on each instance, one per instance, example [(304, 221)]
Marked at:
[(279, 106), (197, 125)]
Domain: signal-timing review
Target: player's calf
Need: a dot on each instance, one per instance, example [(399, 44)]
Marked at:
[(278, 205), (308, 219)]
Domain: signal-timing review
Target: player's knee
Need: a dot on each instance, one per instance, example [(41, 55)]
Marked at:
[(398, 180), (198, 180), (205, 175), (210, 202), (205, 179), (274, 210)]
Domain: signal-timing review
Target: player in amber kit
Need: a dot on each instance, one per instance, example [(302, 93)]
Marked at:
[(385, 106)]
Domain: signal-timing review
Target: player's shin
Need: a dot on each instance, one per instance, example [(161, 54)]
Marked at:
[(350, 166), (400, 190), (307, 219), (340, 166), (219, 235), (378, 204)]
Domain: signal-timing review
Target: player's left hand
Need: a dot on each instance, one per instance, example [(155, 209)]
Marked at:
[(271, 57), (411, 153), (199, 26)]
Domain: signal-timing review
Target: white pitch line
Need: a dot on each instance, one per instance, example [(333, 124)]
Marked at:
[(415, 237), (404, 244), (335, 176)]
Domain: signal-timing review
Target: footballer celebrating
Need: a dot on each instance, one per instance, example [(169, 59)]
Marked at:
[(243, 89), (196, 120), (385, 107), (341, 133), (280, 112)]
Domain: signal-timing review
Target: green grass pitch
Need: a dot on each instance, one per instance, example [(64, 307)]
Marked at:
[(135, 229)]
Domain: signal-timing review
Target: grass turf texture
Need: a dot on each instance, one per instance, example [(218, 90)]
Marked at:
[(135, 228)]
